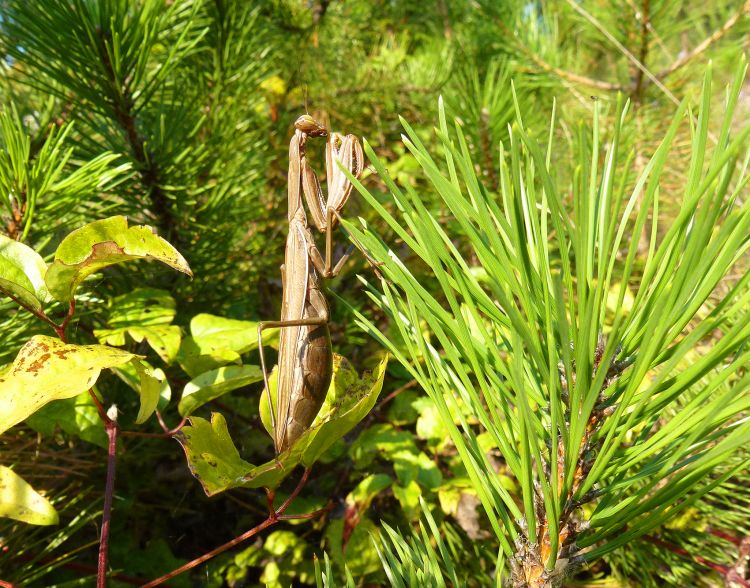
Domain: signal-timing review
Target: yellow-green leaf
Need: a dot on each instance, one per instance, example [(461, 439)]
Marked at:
[(101, 244), (149, 391), (47, 369), (214, 460), (22, 273), (19, 501), (215, 383), (214, 333)]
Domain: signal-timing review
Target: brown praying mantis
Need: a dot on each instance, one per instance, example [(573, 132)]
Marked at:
[(305, 364)]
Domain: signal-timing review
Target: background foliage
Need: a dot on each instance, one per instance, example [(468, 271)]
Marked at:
[(178, 114)]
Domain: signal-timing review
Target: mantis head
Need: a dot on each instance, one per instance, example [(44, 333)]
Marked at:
[(310, 126)]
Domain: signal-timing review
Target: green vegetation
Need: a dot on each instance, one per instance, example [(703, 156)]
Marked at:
[(541, 370)]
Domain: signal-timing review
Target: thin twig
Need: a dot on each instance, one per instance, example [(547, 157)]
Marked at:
[(205, 557), (37, 313), (274, 517), (580, 10), (569, 75), (71, 312), (710, 40), (637, 92), (167, 431)]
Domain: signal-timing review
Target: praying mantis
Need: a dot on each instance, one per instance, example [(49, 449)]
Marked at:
[(305, 364)]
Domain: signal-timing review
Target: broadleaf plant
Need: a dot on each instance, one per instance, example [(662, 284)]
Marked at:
[(49, 369), (610, 416), (215, 461)]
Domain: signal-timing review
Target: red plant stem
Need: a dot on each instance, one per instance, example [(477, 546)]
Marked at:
[(99, 407), (5, 584), (111, 427), (66, 320), (726, 536), (167, 432), (274, 517), (37, 313)]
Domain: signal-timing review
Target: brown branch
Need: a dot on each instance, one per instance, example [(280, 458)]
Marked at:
[(274, 517), (124, 107), (561, 73), (569, 75), (716, 36)]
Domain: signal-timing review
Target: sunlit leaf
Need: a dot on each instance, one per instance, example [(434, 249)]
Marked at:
[(22, 273), (101, 244), (19, 501), (213, 333), (150, 387), (215, 383), (47, 369), (215, 462), (195, 359), (349, 398)]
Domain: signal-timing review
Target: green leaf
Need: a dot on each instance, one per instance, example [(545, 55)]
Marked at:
[(264, 409), (349, 398), (363, 493), (356, 551), (150, 388), (214, 460), (22, 273), (429, 425), (132, 377), (47, 369), (213, 333), (279, 542), (215, 383), (75, 416), (19, 501), (195, 360), (163, 339), (348, 401), (381, 439), (101, 244), (143, 314), (408, 497), (416, 466), (142, 307)]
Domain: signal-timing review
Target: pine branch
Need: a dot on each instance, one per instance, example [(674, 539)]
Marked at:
[(645, 15), (708, 42)]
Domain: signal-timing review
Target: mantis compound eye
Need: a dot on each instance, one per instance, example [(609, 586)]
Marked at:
[(310, 126)]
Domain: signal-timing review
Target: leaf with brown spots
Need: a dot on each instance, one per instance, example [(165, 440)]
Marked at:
[(215, 461), (103, 243), (47, 369)]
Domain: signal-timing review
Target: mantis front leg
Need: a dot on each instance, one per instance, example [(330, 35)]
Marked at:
[(325, 212)]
